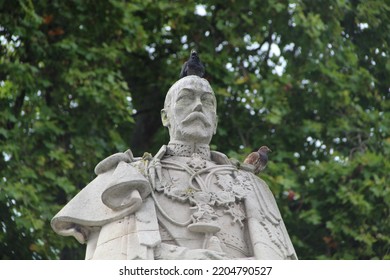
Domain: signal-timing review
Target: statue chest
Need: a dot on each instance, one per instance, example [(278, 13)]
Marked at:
[(199, 198)]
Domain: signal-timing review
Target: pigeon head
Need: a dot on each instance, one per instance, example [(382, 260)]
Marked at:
[(194, 55), (264, 149)]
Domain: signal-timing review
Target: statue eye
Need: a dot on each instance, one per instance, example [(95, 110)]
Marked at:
[(207, 99), (185, 98)]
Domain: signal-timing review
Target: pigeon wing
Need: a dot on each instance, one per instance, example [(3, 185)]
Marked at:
[(252, 158), (183, 71), (195, 67)]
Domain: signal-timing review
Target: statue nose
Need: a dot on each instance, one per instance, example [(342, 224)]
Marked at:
[(198, 105)]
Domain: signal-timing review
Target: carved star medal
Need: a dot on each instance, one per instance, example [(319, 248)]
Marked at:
[(196, 162), (237, 213)]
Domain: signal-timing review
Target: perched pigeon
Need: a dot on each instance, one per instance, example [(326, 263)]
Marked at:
[(193, 66), (258, 159)]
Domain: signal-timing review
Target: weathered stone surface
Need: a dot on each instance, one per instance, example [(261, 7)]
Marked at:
[(186, 202)]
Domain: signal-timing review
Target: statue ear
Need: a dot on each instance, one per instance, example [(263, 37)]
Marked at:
[(216, 124), (164, 118)]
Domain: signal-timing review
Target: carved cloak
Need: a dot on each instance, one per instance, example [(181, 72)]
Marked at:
[(106, 200)]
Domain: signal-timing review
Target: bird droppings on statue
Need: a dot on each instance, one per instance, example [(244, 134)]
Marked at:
[(193, 66), (258, 159)]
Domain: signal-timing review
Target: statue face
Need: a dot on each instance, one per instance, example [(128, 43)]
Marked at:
[(191, 116)]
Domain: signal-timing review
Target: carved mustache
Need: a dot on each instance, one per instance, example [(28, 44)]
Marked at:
[(197, 116)]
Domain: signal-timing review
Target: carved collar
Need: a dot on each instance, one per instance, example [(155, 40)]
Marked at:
[(181, 149)]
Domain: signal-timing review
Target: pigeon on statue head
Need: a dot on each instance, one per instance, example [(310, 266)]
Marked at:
[(193, 66)]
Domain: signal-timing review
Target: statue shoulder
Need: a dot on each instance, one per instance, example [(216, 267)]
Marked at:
[(112, 161), (221, 158)]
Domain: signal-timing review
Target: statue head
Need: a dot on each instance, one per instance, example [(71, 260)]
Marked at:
[(190, 110)]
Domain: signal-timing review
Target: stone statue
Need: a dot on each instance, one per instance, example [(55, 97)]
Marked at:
[(186, 202)]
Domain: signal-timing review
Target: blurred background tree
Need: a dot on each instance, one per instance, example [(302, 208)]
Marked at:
[(82, 79)]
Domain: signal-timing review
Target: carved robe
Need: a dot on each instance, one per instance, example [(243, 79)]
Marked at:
[(180, 203)]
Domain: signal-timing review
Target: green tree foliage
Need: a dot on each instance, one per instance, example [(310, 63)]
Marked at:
[(81, 79)]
